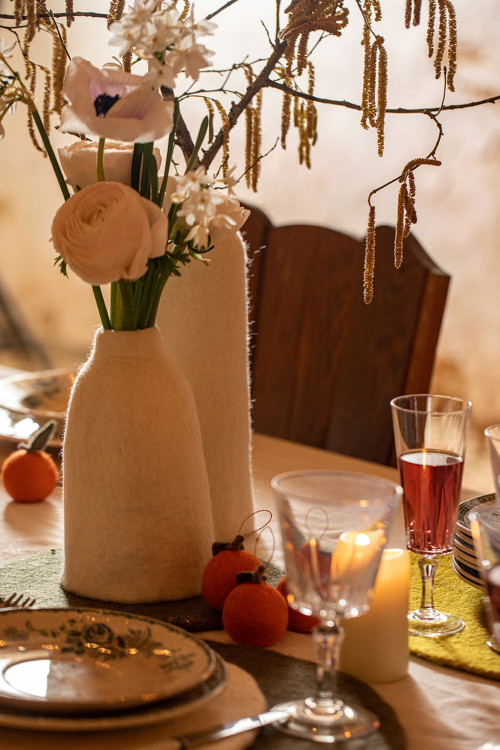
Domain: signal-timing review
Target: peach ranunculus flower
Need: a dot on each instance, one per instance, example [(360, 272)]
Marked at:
[(79, 162), (109, 103), (107, 232)]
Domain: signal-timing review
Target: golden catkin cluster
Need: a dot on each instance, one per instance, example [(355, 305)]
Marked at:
[(307, 16), (253, 135), (374, 95), (406, 216), (115, 11), (225, 136), (53, 79), (446, 34), (406, 213), (305, 119), (369, 269), (304, 18)]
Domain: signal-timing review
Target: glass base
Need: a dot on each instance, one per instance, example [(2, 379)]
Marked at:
[(493, 644), (327, 727), (434, 623)]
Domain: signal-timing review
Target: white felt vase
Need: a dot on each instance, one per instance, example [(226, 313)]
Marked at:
[(137, 514), (204, 318)]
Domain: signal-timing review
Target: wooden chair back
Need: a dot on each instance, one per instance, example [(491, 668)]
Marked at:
[(324, 364)]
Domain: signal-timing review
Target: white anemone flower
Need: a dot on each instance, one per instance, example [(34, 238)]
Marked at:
[(109, 103)]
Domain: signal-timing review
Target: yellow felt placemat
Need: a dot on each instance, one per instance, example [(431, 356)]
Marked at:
[(466, 650)]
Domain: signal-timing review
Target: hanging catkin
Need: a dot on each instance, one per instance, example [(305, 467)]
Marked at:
[(369, 267), (447, 38), (406, 214)]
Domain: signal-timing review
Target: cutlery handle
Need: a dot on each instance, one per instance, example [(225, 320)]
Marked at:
[(228, 730)]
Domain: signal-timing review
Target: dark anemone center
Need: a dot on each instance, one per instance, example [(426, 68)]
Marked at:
[(103, 103)]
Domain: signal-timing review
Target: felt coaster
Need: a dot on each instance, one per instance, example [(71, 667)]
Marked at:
[(283, 678), (466, 650), (38, 576)]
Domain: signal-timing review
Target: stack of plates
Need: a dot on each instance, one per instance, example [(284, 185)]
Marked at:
[(464, 561), (88, 669), (29, 400)]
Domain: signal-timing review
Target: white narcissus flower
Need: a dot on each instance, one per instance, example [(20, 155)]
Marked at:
[(208, 215), (159, 36), (5, 53), (230, 217), (79, 162), (109, 103), (107, 232)]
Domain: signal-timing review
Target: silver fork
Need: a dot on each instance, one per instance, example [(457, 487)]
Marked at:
[(17, 600)]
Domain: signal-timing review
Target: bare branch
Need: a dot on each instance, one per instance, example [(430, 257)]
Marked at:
[(239, 107), (391, 110)]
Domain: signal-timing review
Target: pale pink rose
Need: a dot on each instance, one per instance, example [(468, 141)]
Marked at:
[(107, 232), (79, 162), (230, 218), (109, 103)]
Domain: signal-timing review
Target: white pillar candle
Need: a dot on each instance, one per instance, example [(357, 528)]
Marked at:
[(355, 553), (375, 647)]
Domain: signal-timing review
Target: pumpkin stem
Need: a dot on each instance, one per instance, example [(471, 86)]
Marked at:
[(236, 544), (252, 576), (39, 439)]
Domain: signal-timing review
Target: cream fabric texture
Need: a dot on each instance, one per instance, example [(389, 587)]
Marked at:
[(203, 316), (137, 515)]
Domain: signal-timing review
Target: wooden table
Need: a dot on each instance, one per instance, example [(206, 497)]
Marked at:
[(439, 708)]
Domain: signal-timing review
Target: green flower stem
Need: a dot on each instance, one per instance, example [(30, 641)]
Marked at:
[(150, 301), (112, 303), (162, 280), (147, 155), (142, 321), (170, 151), (135, 171), (127, 297), (101, 306), (50, 153), (100, 161)]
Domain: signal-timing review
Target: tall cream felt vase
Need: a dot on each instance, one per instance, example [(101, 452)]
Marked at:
[(137, 513), (204, 318)]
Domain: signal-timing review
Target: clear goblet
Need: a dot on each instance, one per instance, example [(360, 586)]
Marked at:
[(334, 527), (430, 433), (485, 528)]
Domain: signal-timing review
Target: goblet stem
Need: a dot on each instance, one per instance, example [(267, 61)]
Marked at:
[(427, 620), (328, 640), (323, 717), (428, 566)]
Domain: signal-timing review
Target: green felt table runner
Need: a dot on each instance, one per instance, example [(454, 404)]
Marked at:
[(466, 650), (38, 575)]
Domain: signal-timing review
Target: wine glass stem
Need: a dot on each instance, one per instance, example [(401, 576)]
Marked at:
[(328, 639), (428, 565)]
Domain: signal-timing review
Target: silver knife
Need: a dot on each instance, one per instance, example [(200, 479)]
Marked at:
[(228, 730)]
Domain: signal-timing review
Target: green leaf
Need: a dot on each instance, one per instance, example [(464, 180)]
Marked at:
[(201, 137)]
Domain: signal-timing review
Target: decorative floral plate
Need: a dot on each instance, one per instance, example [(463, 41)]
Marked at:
[(81, 661), (27, 401), (40, 394), (465, 563), (152, 713), (466, 506)]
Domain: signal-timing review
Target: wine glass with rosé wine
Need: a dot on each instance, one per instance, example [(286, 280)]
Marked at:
[(430, 433)]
